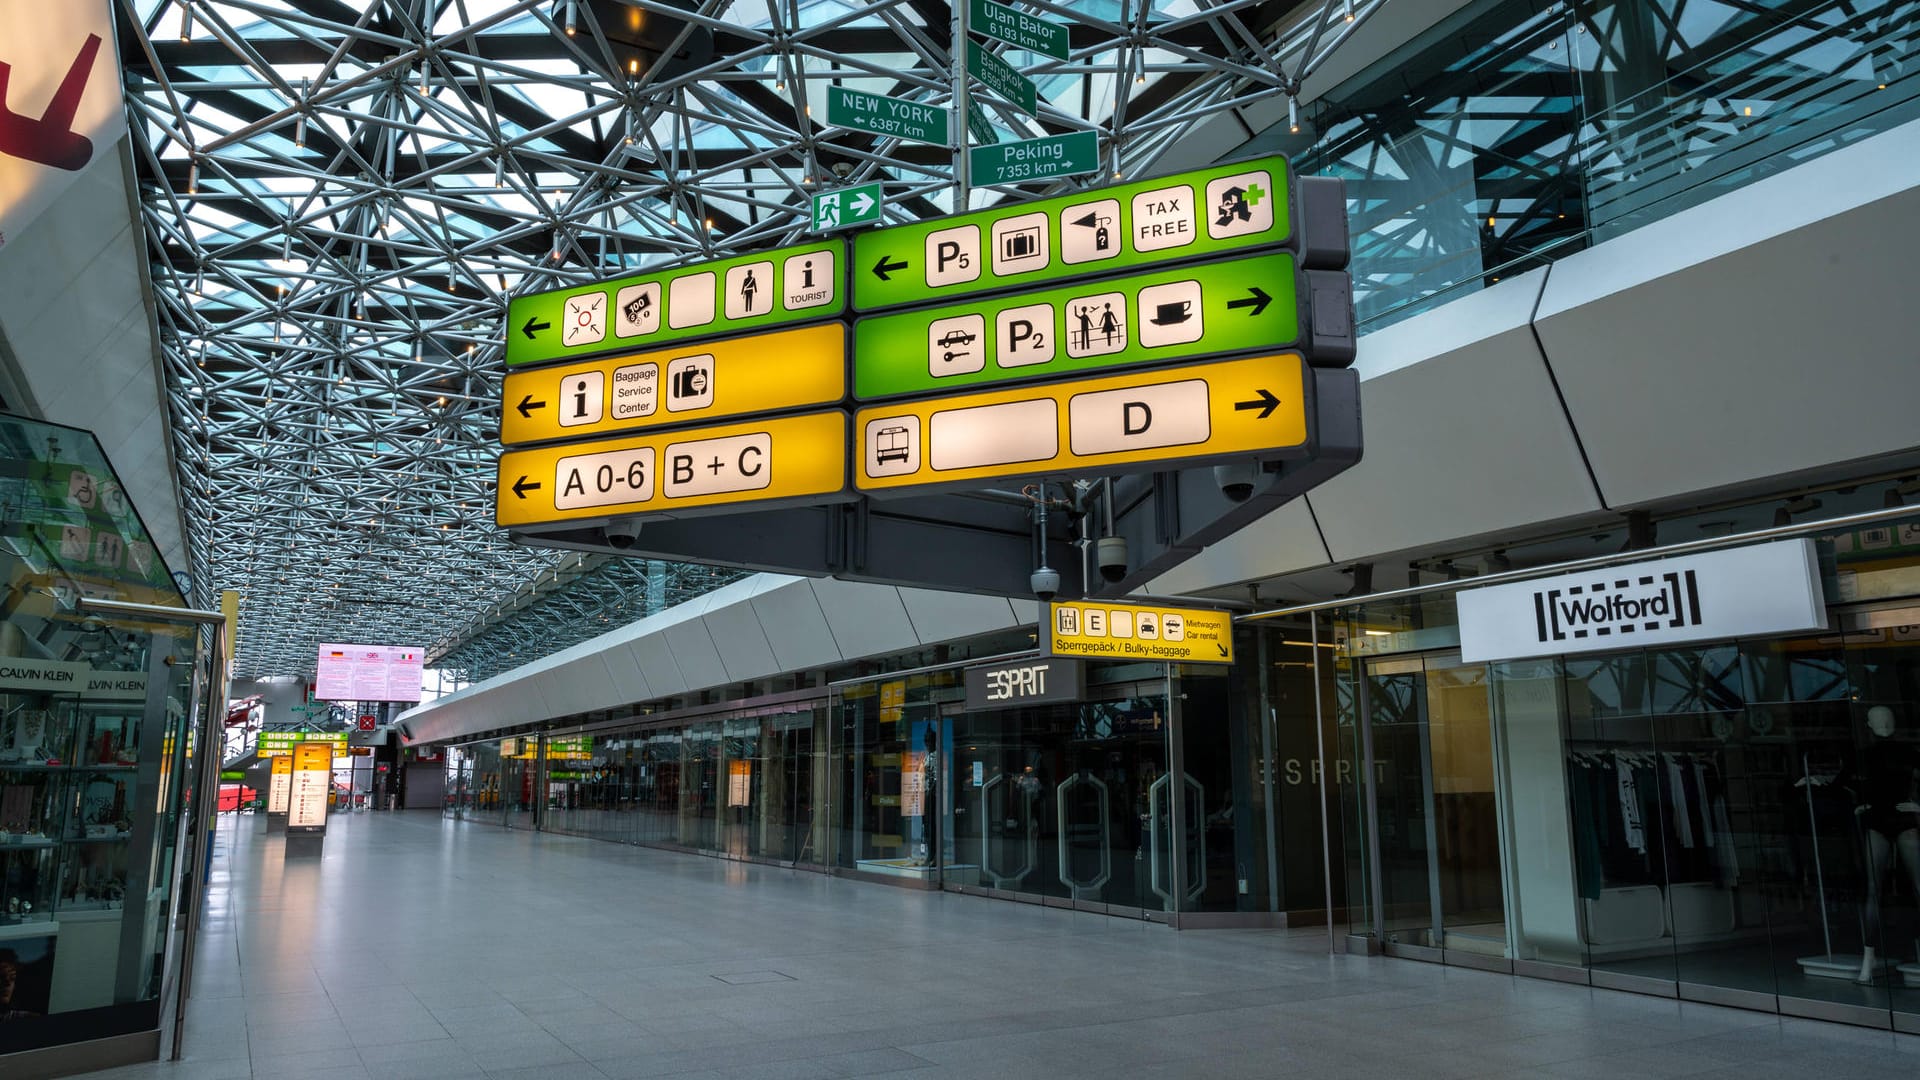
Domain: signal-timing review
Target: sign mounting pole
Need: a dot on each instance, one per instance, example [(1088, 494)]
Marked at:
[(962, 198)]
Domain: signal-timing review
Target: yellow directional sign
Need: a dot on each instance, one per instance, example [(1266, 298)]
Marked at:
[(1143, 419), (763, 373), (677, 473), (1138, 632)]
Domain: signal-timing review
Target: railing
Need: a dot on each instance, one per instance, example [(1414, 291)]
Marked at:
[(1507, 136)]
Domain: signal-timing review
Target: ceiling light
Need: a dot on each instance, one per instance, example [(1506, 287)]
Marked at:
[(1348, 5), (186, 23), (1293, 114)]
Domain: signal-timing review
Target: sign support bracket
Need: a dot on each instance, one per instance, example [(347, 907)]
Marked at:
[(962, 197)]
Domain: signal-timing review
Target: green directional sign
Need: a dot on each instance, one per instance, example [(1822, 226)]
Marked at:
[(1028, 160), (1246, 304), (1001, 78), (1220, 210), (886, 116), (982, 129), (846, 207), (744, 293), (1019, 29)]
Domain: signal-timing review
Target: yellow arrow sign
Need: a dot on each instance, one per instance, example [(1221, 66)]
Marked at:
[(677, 473), (1146, 418), (692, 383), (1138, 632)]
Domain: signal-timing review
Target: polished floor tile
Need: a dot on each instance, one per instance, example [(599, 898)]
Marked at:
[(422, 949)]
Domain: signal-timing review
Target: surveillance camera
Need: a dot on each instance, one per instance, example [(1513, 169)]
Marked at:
[(1236, 481), (843, 169), (622, 534), (1045, 583), (1111, 552)]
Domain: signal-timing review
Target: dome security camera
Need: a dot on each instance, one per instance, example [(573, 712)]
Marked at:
[(1111, 553), (1045, 583), (621, 535)]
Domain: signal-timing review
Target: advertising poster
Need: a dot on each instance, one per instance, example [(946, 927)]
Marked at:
[(312, 776), (26, 977), (280, 785)]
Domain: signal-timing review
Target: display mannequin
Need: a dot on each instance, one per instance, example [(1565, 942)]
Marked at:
[(1889, 812)]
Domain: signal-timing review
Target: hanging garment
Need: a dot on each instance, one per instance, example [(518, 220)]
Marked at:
[(1630, 816), (1682, 818), (1700, 784), (1589, 818)]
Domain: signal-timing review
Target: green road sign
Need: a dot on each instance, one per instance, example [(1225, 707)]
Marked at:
[(886, 116), (1001, 78), (1220, 210), (846, 207), (1021, 162), (1216, 309), (1016, 28), (727, 296), (978, 124)]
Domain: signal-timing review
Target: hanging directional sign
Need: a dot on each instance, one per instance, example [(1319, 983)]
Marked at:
[(767, 462), (1137, 632), (881, 115), (1135, 422), (1001, 78), (1213, 309), (760, 373), (737, 295), (1017, 28), (979, 126), (846, 207), (1072, 154), (1207, 212)]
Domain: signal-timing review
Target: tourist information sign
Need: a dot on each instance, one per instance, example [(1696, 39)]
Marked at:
[(1019, 29), (728, 296), (759, 373), (846, 207), (1239, 305), (1204, 213), (1139, 632), (1134, 422), (1001, 78), (1028, 160), (767, 462), (881, 115)]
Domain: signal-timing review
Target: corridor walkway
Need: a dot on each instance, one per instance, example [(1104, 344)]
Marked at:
[(425, 948)]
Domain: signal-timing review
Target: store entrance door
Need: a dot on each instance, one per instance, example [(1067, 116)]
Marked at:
[(1438, 842)]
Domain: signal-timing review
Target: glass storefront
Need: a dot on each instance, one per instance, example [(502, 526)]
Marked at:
[(98, 721), (1732, 821)]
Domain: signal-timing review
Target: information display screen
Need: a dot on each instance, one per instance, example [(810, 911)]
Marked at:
[(368, 673)]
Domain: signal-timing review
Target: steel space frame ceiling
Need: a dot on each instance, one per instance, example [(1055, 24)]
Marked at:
[(339, 199)]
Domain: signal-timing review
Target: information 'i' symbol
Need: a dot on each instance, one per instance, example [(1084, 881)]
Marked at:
[(580, 399), (806, 274)]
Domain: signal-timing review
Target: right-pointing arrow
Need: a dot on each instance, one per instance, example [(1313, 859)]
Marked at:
[(1258, 300), (1266, 403), (861, 203)]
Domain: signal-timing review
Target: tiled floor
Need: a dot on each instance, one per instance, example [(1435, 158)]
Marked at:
[(421, 948)]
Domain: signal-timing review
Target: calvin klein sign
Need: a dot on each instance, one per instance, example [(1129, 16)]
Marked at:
[(1741, 592)]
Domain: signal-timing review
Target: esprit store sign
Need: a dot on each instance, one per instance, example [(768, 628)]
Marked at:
[(1742, 592), (60, 106)]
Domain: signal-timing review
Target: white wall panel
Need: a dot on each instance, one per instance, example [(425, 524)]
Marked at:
[(1279, 543), (657, 663), (1464, 432), (795, 626), (943, 616), (695, 655), (1768, 331), (742, 645), (577, 687), (629, 679), (866, 620)]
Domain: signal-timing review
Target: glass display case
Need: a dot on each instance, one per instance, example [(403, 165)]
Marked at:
[(67, 772)]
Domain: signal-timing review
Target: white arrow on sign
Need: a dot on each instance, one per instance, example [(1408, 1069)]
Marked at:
[(861, 201)]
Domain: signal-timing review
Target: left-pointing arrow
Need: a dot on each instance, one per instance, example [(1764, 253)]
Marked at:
[(521, 487), (884, 269), (534, 327), (1266, 403), (527, 404)]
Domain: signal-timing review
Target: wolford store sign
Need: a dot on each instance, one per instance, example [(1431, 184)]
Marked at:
[(1743, 592)]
